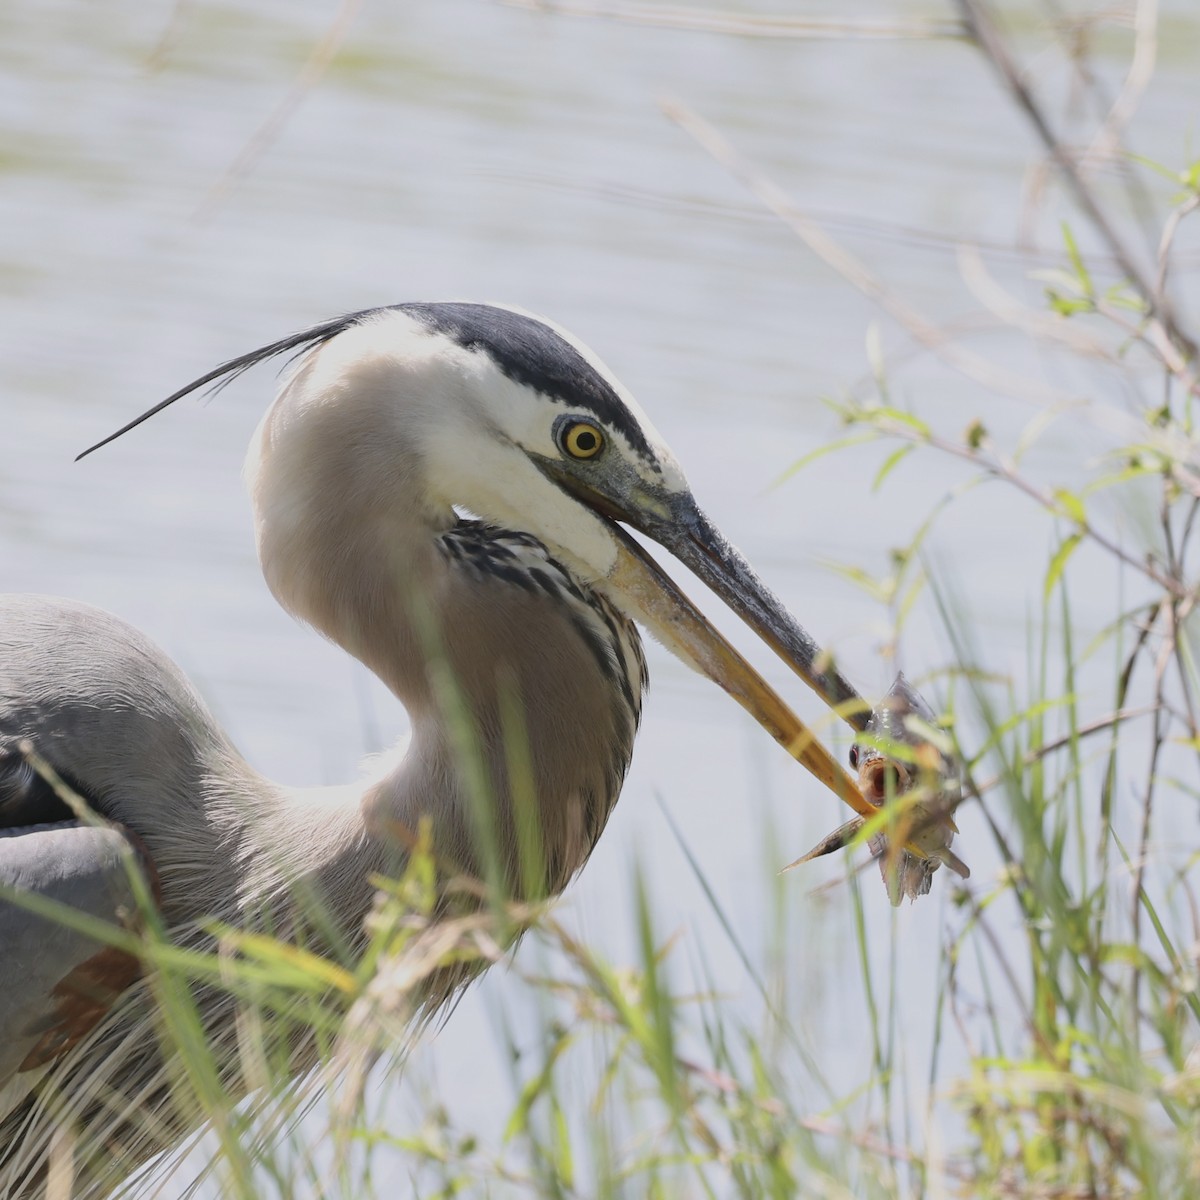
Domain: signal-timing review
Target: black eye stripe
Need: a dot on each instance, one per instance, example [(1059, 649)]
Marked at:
[(532, 354)]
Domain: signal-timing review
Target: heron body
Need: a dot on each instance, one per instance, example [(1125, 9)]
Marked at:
[(436, 489)]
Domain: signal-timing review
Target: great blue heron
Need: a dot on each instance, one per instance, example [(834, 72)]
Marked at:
[(433, 482)]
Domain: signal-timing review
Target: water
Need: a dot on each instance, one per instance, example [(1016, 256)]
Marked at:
[(460, 149)]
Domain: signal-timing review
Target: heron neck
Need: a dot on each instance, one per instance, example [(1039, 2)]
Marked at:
[(488, 642), (313, 845)]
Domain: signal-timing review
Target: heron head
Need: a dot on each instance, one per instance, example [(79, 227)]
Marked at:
[(532, 431), (489, 409)]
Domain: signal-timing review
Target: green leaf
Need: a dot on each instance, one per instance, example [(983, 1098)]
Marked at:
[(1064, 306), (890, 463), (1059, 561), (881, 589), (540, 1085), (1153, 165), (1121, 295), (294, 961), (1135, 470), (886, 412), (1071, 506), (1081, 271), (854, 439)]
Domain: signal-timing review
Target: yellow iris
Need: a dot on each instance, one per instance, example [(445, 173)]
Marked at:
[(583, 440)]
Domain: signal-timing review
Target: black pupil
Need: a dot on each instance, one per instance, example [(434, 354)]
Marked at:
[(585, 440)]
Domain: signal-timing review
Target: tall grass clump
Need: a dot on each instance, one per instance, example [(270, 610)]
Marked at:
[(1059, 1054)]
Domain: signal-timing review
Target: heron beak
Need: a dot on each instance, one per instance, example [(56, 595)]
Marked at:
[(655, 599), (693, 539)]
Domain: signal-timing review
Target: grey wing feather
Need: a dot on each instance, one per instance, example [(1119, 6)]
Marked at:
[(57, 982), (124, 729)]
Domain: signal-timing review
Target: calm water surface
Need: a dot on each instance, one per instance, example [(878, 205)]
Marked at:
[(461, 149)]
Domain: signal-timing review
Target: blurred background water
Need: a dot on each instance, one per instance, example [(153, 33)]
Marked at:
[(164, 206)]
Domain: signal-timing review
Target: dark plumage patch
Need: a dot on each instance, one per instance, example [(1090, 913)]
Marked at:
[(25, 797), (532, 354), (491, 553), (223, 375), (520, 560), (79, 1001), (526, 350)]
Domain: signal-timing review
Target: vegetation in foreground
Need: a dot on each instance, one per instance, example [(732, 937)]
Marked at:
[(1060, 1053)]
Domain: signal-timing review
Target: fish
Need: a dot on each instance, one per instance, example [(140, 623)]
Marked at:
[(904, 756)]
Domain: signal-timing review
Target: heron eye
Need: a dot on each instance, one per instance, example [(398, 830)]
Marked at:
[(582, 440)]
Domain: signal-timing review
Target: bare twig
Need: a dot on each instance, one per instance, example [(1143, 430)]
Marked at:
[(1139, 873), (1092, 727), (1170, 229), (984, 32), (732, 24), (1000, 469), (1108, 787), (1107, 142), (1177, 613), (1040, 324), (1185, 539), (885, 1149), (262, 138), (855, 272), (1154, 336), (158, 55), (1115, 114)]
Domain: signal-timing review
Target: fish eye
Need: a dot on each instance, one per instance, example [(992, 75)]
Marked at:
[(853, 756), (580, 439)]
